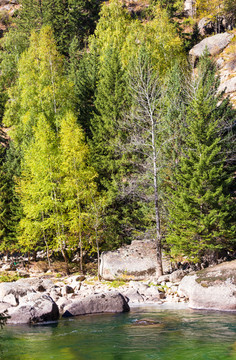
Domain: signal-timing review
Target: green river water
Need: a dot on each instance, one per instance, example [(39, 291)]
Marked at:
[(181, 335)]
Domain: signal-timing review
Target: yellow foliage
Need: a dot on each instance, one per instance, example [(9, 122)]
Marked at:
[(116, 28)]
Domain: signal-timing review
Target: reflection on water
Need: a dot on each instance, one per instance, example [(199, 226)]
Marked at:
[(183, 335)]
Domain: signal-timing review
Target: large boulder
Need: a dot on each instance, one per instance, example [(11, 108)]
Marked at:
[(214, 44), (42, 310), (110, 302), (136, 261), (213, 288)]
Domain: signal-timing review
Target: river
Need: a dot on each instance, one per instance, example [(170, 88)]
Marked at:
[(180, 334)]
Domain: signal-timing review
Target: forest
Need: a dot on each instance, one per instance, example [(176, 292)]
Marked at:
[(109, 134)]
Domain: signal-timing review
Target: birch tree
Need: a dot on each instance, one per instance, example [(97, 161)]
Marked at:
[(144, 128)]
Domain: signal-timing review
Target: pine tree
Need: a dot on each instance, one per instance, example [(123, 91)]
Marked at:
[(68, 19), (9, 202), (201, 208), (111, 101), (84, 73)]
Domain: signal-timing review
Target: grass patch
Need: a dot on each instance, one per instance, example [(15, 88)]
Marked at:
[(9, 277), (116, 283)]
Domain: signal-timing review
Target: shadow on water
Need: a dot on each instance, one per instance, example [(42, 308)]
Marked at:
[(182, 335)]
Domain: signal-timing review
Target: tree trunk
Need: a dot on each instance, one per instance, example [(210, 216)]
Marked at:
[(66, 260), (81, 252), (98, 255), (159, 270)]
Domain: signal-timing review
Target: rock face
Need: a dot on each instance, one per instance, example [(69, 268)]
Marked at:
[(212, 288), (215, 44), (133, 262), (112, 302)]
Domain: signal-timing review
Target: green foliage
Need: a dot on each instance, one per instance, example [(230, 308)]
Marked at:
[(84, 73), (3, 319), (38, 190), (68, 19), (201, 208), (9, 277), (116, 28), (173, 7), (111, 101), (41, 88), (77, 185), (116, 283), (10, 210)]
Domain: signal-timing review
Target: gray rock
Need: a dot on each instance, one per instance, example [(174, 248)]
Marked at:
[(214, 44), (11, 299), (152, 293), (30, 297), (8, 267), (136, 261), (67, 290), (111, 302), (228, 86), (164, 278), (43, 310), (133, 296), (212, 288), (4, 307), (177, 276), (62, 303), (220, 62)]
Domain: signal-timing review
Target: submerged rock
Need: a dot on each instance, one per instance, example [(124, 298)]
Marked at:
[(146, 322)]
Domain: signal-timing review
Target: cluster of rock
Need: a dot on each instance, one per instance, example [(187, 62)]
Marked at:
[(37, 300)]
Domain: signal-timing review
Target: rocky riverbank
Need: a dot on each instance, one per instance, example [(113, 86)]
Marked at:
[(43, 298)]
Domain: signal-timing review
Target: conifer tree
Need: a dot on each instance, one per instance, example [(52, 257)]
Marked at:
[(68, 19), (201, 208), (78, 187), (10, 209), (111, 101), (41, 88), (84, 74), (9, 203), (43, 223)]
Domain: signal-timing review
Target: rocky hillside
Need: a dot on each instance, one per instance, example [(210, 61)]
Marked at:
[(222, 48)]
